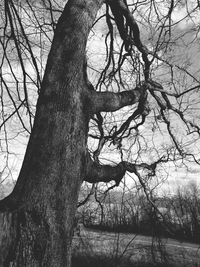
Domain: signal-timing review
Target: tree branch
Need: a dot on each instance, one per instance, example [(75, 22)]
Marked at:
[(109, 101), (121, 13), (105, 173)]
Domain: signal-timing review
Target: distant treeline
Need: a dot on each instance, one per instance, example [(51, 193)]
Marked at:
[(176, 216)]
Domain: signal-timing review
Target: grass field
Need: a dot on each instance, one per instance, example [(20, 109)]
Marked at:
[(95, 248)]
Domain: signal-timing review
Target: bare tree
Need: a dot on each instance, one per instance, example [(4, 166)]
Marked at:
[(139, 74)]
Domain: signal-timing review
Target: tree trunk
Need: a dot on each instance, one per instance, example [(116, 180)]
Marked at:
[(37, 218)]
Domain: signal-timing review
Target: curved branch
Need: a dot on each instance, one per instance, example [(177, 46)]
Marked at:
[(83, 202), (109, 101), (121, 12), (104, 173)]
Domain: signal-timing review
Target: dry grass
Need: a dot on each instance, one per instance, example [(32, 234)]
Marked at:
[(123, 250), (102, 261)]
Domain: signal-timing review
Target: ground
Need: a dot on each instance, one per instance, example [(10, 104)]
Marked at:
[(106, 249)]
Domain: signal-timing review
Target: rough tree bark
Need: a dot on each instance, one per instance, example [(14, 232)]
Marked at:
[(37, 218)]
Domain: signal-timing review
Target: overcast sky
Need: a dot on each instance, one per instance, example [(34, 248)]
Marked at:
[(186, 49)]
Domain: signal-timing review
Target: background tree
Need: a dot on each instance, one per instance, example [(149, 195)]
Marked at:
[(140, 71)]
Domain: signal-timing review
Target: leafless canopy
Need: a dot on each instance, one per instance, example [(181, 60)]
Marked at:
[(142, 68)]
